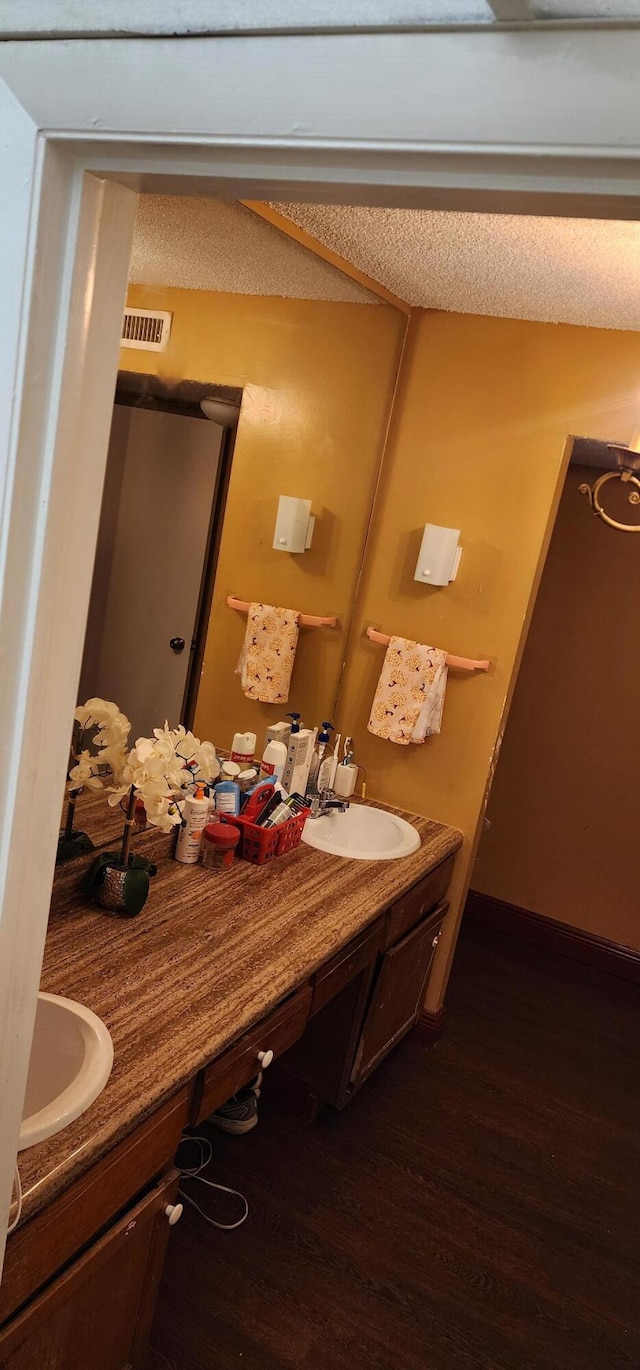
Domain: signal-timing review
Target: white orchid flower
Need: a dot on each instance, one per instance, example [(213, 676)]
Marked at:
[(159, 768), (114, 796), (115, 756), (100, 713), (163, 813), (207, 764), (83, 773), (144, 748), (113, 733)]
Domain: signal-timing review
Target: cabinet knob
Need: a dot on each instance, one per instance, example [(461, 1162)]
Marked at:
[(436, 939), (173, 1213), (265, 1058)]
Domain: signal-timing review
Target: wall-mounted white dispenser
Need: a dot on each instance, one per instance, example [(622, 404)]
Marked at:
[(294, 525), (439, 556)]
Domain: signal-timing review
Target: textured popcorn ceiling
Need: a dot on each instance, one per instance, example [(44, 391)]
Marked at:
[(582, 271), (204, 244)]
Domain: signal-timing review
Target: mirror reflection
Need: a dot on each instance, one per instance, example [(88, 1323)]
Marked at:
[(255, 389)]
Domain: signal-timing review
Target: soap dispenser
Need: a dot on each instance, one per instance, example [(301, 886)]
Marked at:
[(319, 752)]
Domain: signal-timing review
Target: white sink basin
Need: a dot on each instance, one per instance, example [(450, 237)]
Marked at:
[(71, 1060), (362, 833)]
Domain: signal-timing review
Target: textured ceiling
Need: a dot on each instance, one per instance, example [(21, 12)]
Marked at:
[(204, 244), (581, 271)]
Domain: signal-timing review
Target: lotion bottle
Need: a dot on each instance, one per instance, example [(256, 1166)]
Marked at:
[(319, 751), (274, 760), (195, 817)]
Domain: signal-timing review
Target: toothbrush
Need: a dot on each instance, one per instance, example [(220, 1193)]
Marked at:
[(334, 766)]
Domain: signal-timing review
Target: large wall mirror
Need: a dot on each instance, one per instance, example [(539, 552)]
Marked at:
[(276, 378)]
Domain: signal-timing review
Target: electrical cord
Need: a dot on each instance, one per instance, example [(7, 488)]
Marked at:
[(194, 1173), (17, 1184)]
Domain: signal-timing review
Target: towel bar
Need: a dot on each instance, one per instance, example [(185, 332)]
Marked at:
[(460, 663), (306, 620)]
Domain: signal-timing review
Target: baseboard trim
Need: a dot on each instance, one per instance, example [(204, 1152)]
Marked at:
[(428, 1029), (554, 936)]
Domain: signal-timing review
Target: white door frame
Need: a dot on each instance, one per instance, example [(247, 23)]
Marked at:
[(525, 122)]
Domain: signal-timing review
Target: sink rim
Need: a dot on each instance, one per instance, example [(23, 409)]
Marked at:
[(410, 842), (84, 1089)]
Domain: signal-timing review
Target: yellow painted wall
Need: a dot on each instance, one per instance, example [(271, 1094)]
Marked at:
[(318, 380), (484, 408), (563, 839)]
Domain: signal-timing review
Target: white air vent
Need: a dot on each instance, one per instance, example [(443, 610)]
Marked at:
[(147, 328)]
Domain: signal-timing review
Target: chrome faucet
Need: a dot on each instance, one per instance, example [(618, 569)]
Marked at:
[(327, 802)]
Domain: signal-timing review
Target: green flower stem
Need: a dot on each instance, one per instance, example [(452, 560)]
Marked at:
[(73, 795), (128, 829)]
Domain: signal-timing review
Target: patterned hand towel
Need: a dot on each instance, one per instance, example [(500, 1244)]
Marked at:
[(268, 653), (409, 700)]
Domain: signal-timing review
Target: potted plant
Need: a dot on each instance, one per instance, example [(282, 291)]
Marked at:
[(90, 769), (159, 770)]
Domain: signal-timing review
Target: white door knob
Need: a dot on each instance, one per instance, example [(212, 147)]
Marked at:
[(173, 1212), (265, 1058)]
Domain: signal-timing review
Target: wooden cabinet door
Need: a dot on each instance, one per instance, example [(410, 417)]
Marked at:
[(97, 1314), (397, 995)]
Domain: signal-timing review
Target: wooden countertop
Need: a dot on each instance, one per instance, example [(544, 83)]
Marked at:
[(206, 959)]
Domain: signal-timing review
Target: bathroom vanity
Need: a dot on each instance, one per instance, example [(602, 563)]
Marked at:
[(321, 961)]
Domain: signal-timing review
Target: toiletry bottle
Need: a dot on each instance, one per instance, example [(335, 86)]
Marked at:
[(227, 796), (324, 737), (299, 755), (243, 749), (328, 765), (274, 759), (194, 819), (278, 732)]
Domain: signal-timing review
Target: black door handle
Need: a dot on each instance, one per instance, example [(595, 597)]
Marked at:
[(177, 644)]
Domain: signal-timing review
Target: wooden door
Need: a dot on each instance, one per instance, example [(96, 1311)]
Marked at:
[(97, 1315), (145, 590), (397, 995)]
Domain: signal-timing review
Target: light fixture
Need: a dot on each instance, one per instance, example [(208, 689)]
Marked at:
[(294, 525), (439, 556), (220, 411)]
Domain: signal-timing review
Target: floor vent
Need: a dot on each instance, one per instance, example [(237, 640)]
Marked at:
[(147, 328)]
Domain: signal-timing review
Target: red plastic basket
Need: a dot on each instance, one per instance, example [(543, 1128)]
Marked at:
[(259, 845)]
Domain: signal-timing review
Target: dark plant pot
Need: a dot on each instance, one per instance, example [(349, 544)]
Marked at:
[(124, 890), (77, 844)]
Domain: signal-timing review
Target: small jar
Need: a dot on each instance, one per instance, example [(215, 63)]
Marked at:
[(247, 779), (229, 770), (219, 842)]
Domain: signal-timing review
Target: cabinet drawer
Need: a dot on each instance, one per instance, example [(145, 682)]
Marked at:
[(45, 1243), (418, 901), (236, 1066), (346, 964)]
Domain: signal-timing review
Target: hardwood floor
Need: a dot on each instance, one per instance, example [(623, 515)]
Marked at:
[(477, 1206)]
